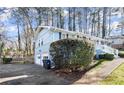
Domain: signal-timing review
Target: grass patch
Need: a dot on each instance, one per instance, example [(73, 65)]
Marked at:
[(116, 77), (101, 62), (121, 51), (22, 62)]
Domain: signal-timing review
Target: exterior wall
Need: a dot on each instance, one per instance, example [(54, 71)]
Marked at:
[(118, 46), (42, 45), (105, 47), (117, 43), (101, 46), (46, 37)]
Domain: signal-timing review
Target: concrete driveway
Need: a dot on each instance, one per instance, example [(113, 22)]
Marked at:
[(28, 74)]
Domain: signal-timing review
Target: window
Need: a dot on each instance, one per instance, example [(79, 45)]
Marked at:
[(39, 44), (84, 37), (97, 41), (108, 44), (59, 35), (45, 57), (42, 42), (67, 35), (77, 36), (102, 42), (63, 36)]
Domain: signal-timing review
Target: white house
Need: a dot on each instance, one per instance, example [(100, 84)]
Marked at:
[(46, 35), (117, 41)]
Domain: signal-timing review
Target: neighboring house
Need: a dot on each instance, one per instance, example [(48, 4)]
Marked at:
[(117, 41), (46, 35)]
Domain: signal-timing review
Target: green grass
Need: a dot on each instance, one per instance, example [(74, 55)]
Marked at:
[(101, 63), (121, 51), (116, 77)]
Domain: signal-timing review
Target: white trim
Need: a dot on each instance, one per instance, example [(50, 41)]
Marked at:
[(54, 29)]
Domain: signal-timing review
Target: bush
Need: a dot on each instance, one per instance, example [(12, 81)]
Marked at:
[(121, 55), (109, 56), (121, 49), (72, 54), (7, 60), (102, 56), (106, 56)]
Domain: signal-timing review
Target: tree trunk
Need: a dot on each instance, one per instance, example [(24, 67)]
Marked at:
[(104, 23), (85, 18), (61, 19), (92, 30), (79, 21), (98, 28), (122, 17), (69, 20), (19, 41), (52, 17), (74, 19), (57, 17)]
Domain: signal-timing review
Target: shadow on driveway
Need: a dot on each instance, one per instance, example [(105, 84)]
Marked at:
[(28, 74)]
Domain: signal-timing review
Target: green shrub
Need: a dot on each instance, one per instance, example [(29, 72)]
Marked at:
[(72, 54), (7, 60), (109, 56), (106, 56), (102, 56), (122, 49), (121, 55)]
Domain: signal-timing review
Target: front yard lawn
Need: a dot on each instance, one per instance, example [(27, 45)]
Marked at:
[(116, 77)]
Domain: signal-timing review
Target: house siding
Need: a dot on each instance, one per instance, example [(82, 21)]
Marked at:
[(45, 37)]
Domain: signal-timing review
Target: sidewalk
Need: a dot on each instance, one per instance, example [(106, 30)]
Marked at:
[(94, 76)]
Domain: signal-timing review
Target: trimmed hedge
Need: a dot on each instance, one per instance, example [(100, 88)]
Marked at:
[(121, 55), (109, 56), (102, 56), (7, 60), (72, 54), (106, 56)]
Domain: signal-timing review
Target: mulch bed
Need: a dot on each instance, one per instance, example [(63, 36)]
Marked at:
[(75, 75), (69, 75)]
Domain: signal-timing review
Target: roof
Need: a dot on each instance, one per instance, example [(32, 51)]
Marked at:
[(54, 29), (115, 37)]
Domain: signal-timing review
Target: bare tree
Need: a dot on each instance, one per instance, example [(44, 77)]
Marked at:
[(104, 22), (74, 15), (69, 19)]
